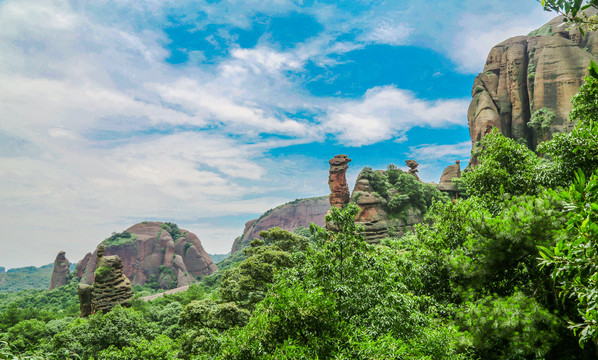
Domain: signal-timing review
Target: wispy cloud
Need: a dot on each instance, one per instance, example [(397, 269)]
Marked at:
[(386, 113), (445, 152), (98, 130), (387, 32)]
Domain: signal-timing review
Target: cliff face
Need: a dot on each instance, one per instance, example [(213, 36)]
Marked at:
[(288, 217), (526, 87), (149, 250)]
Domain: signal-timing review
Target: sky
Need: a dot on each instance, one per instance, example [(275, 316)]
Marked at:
[(208, 113)]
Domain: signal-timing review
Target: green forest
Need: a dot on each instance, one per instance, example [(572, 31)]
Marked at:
[(507, 272)]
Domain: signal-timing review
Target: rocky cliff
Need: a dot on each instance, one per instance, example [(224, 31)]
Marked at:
[(153, 251), (60, 271), (289, 216), (527, 84)]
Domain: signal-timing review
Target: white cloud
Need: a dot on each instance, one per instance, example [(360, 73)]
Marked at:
[(478, 33), (387, 32), (387, 112), (433, 152), (97, 132)]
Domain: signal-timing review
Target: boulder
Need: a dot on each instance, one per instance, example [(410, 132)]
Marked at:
[(446, 179)]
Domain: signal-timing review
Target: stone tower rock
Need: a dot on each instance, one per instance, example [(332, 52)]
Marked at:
[(60, 272), (110, 288), (337, 181), (412, 164), (446, 179)]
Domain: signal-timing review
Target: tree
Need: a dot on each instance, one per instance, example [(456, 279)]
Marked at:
[(573, 11), (573, 259), (505, 167)]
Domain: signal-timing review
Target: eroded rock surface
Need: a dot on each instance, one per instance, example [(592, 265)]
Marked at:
[(446, 179), (111, 287), (527, 74), (151, 253), (412, 164), (289, 216), (373, 216), (337, 181), (60, 272)]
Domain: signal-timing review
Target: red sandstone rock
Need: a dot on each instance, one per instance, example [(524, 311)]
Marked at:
[(337, 181), (288, 217), (150, 247), (526, 73)]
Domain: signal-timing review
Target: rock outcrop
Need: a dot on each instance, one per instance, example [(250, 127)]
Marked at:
[(412, 164), (446, 179), (289, 216), (373, 216), (60, 272), (110, 288), (337, 181), (154, 251), (527, 84)]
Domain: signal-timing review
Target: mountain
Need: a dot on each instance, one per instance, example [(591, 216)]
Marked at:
[(289, 216), (154, 251), (526, 87)]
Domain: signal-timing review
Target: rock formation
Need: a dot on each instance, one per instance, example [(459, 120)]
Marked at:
[(446, 179), (85, 299), (373, 216), (110, 288), (288, 217), (60, 272), (412, 164), (337, 181), (529, 76), (148, 250)]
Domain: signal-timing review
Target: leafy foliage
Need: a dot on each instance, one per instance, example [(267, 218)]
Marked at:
[(573, 257), (401, 191), (117, 239)]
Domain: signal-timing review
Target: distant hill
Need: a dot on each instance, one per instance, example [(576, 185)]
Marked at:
[(216, 258), (289, 216), (26, 278)]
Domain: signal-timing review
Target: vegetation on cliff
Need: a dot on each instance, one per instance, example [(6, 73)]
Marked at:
[(507, 273)]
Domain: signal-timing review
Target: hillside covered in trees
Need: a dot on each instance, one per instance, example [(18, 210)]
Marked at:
[(507, 273)]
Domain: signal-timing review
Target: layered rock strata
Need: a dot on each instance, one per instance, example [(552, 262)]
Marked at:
[(527, 83), (373, 216), (110, 288), (60, 272), (149, 251), (412, 165)]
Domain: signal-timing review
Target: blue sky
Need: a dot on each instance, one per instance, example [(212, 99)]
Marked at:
[(208, 113)]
